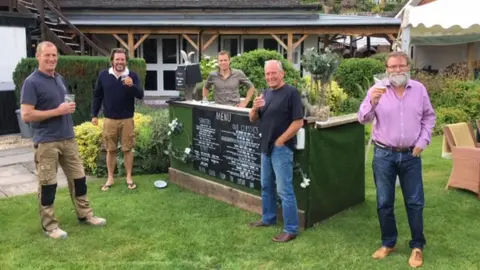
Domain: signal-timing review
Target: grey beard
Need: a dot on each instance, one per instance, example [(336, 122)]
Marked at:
[(398, 80)]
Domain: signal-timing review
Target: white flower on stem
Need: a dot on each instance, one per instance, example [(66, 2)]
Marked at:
[(206, 57), (169, 133), (187, 151), (305, 183)]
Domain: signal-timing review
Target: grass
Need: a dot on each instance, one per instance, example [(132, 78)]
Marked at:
[(177, 229)]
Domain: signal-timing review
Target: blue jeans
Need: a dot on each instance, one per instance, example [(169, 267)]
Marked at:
[(277, 170), (386, 166)]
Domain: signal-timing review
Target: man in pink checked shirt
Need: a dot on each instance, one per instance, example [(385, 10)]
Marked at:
[(404, 122)]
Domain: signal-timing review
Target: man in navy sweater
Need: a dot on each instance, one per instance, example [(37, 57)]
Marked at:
[(117, 87)]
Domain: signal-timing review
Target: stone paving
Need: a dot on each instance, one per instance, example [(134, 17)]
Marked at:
[(18, 174)]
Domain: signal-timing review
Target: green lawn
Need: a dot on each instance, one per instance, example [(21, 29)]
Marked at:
[(177, 229)]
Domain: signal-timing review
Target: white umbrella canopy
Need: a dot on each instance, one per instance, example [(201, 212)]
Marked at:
[(444, 22)]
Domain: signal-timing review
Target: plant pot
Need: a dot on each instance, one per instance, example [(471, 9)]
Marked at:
[(322, 113)]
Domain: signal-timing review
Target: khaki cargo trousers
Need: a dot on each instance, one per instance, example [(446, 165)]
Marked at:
[(47, 158)]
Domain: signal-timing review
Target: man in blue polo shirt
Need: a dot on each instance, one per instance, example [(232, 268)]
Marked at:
[(43, 105), (117, 87)]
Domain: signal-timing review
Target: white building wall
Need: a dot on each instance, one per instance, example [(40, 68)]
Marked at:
[(442, 56), (14, 48)]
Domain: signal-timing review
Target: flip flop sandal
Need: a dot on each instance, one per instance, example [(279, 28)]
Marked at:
[(131, 186), (106, 187)]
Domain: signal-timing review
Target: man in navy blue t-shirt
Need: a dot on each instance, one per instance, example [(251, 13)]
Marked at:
[(117, 88), (44, 106), (280, 111)]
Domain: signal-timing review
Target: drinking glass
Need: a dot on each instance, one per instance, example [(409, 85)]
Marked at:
[(381, 82), (69, 98)]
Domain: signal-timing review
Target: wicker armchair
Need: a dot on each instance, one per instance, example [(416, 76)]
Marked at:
[(465, 173)]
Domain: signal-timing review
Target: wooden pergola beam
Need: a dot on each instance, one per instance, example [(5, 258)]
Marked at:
[(139, 42), (299, 41), (279, 41), (121, 41), (131, 45), (209, 42), (194, 45), (290, 47), (326, 41)]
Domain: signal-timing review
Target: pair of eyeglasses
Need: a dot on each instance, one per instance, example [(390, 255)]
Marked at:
[(397, 67)]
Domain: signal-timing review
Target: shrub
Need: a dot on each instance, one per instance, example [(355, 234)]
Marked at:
[(449, 92), (207, 65), (253, 63), (449, 115), (355, 72), (380, 57), (350, 105), (80, 73), (151, 142)]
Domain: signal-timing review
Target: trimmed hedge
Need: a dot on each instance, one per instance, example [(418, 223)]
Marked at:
[(80, 73)]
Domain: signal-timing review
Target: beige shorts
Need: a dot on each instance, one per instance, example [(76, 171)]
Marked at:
[(123, 128)]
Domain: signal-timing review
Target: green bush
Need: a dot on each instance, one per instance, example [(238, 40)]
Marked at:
[(449, 115), (152, 140), (350, 105), (253, 63), (207, 65), (380, 57), (80, 73), (449, 92), (355, 74)]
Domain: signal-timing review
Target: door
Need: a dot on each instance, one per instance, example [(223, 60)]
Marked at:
[(161, 54)]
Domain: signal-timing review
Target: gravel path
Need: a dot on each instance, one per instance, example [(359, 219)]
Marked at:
[(14, 141)]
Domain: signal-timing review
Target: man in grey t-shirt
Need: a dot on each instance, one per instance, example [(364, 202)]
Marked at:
[(226, 82), (43, 105)]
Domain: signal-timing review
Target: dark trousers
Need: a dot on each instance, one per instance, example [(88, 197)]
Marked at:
[(387, 164)]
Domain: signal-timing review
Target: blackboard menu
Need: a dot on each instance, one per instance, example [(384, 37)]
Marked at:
[(226, 146), (180, 75)]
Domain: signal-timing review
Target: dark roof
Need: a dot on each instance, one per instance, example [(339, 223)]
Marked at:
[(229, 20), (176, 4)]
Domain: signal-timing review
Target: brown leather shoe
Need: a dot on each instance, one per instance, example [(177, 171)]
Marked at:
[(416, 259), (258, 223), (383, 252), (284, 237)]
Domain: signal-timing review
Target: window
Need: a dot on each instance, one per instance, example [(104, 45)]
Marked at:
[(270, 44), (250, 44), (169, 51), (231, 46), (150, 51), (169, 80), (151, 80)]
